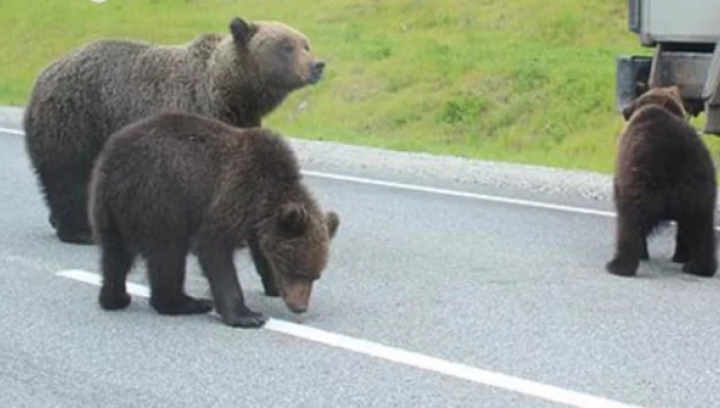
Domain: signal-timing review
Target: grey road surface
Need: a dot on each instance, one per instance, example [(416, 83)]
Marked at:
[(508, 288)]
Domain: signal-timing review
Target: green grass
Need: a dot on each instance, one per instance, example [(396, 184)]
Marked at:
[(514, 80)]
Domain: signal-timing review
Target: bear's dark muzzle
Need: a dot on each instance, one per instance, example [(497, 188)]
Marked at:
[(317, 72), (296, 294)]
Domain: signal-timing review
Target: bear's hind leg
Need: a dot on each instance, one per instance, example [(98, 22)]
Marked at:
[(66, 195), (166, 272), (263, 268), (217, 264), (701, 248), (644, 254), (116, 262), (629, 246), (681, 254)]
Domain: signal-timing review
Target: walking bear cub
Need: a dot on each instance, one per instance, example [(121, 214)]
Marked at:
[(177, 182), (663, 172)]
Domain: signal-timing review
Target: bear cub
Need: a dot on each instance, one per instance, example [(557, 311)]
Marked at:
[(663, 172), (176, 183)]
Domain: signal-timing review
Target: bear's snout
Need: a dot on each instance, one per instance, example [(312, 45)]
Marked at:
[(317, 71), (296, 294), (298, 309)]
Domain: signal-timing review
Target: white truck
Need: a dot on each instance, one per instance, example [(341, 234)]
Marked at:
[(684, 35)]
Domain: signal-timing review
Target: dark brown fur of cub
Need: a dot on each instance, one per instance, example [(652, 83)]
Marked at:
[(178, 182), (663, 172)]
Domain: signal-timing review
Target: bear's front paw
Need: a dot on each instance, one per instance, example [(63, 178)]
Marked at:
[(185, 305), (246, 320), (621, 268), (75, 237), (704, 270), (112, 300)]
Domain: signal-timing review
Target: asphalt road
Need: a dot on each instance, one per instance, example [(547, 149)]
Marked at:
[(508, 288)]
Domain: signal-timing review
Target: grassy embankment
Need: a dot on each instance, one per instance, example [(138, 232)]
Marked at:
[(527, 81)]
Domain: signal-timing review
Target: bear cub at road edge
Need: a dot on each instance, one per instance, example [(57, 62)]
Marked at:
[(663, 172), (175, 182)]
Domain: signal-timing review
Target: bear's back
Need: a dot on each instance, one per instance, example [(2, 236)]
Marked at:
[(182, 143), (187, 146), (661, 148), (141, 78)]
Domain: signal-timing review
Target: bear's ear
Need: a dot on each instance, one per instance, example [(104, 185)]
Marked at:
[(672, 100), (674, 91), (333, 222), (641, 88), (241, 31), (293, 219)]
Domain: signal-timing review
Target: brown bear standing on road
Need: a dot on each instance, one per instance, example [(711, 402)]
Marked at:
[(663, 172), (82, 98), (177, 181)]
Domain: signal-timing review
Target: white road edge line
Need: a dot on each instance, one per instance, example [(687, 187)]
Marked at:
[(440, 191), (464, 194), (12, 131), (456, 193), (431, 190), (397, 355)]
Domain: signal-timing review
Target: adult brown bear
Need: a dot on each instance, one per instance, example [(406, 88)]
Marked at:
[(82, 98), (663, 172), (177, 181)]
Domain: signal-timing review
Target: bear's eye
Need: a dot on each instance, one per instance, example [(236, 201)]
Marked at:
[(288, 47)]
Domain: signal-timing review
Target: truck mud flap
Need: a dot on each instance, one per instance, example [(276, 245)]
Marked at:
[(631, 78), (687, 70), (711, 95)]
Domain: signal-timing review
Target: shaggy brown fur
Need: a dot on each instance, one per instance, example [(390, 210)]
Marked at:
[(663, 172), (178, 181), (82, 98)]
